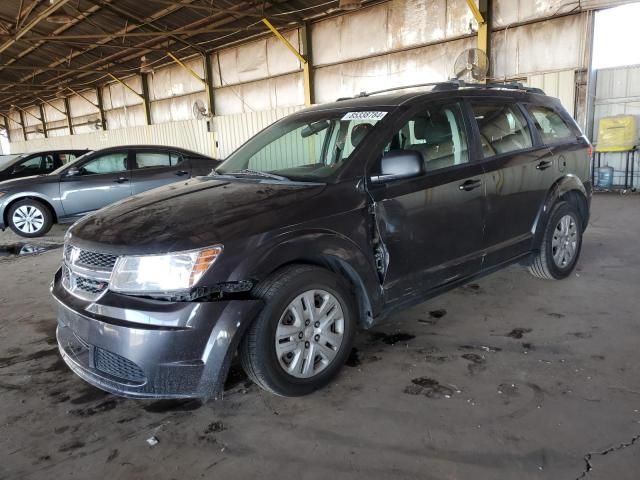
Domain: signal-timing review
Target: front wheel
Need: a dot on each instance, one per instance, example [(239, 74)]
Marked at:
[(303, 335), (30, 218), (561, 244)]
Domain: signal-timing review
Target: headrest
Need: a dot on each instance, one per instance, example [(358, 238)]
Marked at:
[(359, 132), (433, 131)]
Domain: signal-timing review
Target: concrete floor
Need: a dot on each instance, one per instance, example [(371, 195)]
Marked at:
[(510, 377)]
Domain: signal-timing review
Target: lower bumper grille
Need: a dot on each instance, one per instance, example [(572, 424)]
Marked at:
[(117, 366)]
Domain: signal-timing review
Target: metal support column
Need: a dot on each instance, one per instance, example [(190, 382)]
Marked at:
[(307, 66), (482, 14), (103, 119), (208, 78), (22, 124), (43, 120), (145, 97), (67, 109)]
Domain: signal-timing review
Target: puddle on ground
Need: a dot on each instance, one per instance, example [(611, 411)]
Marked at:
[(26, 249), (391, 338), (428, 387)]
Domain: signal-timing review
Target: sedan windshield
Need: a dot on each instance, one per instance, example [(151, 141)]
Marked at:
[(309, 147)]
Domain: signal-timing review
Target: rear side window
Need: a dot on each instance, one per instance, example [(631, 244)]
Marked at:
[(502, 127), (153, 159), (552, 128)]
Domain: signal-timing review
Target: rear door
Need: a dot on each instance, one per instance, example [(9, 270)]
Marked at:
[(518, 171), (154, 168), (101, 180), (431, 226)]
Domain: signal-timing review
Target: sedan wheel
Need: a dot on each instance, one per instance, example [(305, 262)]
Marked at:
[(565, 241), (30, 218)]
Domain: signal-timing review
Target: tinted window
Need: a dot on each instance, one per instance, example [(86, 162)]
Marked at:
[(153, 159), (35, 164), (437, 134), (66, 157), (108, 163), (503, 128), (176, 158), (552, 127)]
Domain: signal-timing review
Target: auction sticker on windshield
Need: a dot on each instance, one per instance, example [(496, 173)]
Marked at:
[(364, 116)]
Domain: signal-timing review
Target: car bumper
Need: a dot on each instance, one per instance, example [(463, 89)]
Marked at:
[(143, 348)]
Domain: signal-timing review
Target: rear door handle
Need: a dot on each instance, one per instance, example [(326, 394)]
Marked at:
[(121, 180), (470, 185), (181, 173), (543, 165)]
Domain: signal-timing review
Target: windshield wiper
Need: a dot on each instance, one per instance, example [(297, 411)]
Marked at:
[(257, 173)]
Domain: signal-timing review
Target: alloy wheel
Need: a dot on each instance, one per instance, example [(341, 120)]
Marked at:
[(28, 219), (309, 333)]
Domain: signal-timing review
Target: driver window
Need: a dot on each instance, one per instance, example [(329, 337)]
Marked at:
[(109, 163), (438, 134)]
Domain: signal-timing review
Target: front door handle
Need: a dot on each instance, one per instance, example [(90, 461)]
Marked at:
[(121, 180), (182, 173), (544, 164), (470, 185)]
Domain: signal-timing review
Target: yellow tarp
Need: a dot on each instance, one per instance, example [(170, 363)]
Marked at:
[(617, 134)]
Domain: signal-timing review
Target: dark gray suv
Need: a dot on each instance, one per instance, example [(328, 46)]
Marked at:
[(327, 221), (30, 205)]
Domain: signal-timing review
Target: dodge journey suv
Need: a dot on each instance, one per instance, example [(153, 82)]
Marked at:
[(325, 222)]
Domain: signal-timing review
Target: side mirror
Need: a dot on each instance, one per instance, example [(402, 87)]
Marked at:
[(73, 172), (398, 164), (17, 169)]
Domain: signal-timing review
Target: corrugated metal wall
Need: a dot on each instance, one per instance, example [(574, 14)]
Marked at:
[(617, 93)]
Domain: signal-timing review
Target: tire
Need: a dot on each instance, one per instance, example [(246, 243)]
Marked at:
[(286, 371), (30, 218), (550, 263)]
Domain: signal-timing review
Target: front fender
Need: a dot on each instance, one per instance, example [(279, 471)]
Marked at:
[(9, 199), (562, 186), (320, 247)]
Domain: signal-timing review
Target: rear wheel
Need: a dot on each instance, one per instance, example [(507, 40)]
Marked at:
[(303, 335), (30, 218), (561, 244)]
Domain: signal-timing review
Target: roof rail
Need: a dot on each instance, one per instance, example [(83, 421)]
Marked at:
[(453, 84)]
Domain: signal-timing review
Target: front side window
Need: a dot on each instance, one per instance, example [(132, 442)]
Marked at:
[(305, 147), (502, 127), (40, 163), (153, 159), (438, 134), (552, 128), (108, 163), (66, 157)]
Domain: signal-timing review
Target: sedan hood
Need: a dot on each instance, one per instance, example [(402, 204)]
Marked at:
[(194, 214), (26, 183)]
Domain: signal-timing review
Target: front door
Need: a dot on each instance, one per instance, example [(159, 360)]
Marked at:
[(98, 182), (154, 168), (431, 226)]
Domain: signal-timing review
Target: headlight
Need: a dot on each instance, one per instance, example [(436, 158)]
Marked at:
[(162, 273)]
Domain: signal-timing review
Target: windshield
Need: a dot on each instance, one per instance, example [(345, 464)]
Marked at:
[(6, 160), (310, 147)]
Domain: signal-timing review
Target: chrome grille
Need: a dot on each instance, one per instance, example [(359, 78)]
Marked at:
[(86, 274), (117, 366)]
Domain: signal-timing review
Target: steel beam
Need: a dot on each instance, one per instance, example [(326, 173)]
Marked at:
[(103, 118), (38, 18), (6, 127), (306, 68)]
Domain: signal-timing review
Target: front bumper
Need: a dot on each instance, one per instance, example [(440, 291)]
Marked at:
[(144, 348)]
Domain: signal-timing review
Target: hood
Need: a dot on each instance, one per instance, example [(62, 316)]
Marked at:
[(25, 183), (194, 214)]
